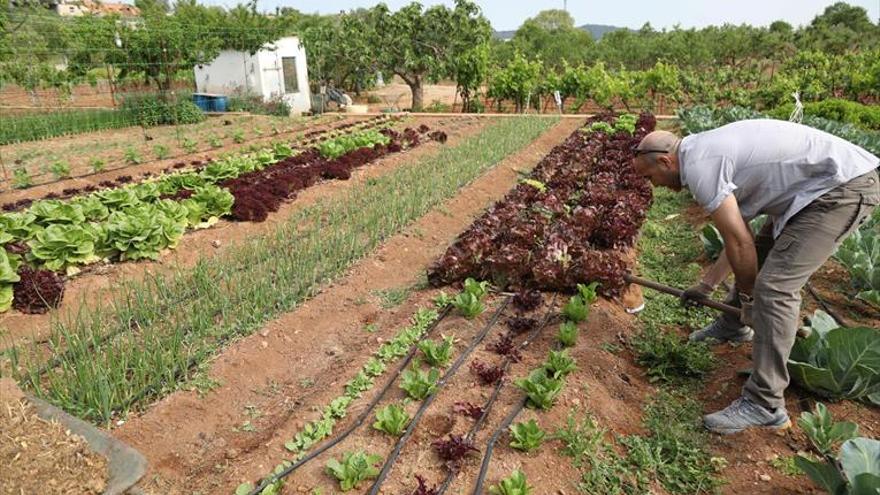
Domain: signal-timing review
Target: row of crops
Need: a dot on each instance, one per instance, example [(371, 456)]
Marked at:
[(550, 210), (54, 237), (860, 252)]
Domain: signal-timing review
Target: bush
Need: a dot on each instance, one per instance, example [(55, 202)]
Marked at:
[(277, 106), (850, 112), (151, 110)]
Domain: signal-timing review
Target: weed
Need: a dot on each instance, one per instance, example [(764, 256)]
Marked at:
[(391, 298), (611, 347), (97, 164), (786, 465), (371, 328), (238, 136), (306, 383), (214, 141)]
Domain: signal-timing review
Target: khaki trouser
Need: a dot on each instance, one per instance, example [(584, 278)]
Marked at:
[(807, 241)]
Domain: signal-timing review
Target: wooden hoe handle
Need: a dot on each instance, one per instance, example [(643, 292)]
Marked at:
[(726, 308)]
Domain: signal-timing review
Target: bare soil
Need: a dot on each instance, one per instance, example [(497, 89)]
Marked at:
[(98, 284), (41, 456)]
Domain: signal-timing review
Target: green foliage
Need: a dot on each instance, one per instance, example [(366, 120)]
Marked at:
[(21, 178), (354, 468), (467, 304), (8, 276), (559, 364), (515, 484), (61, 247), (477, 289), (860, 254), (60, 169), (856, 468), (516, 81), (576, 309), (144, 231), (161, 151), (437, 354), (540, 388), (392, 419), (442, 299), (845, 111), (837, 362), (358, 385), (568, 333), (419, 383), (188, 145), (132, 156), (150, 110), (97, 164), (526, 436), (336, 147)]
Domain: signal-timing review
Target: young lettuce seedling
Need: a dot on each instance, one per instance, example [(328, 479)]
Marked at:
[(392, 419), (354, 468), (468, 305), (514, 485), (418, 383), (437, 354), (527, 436), (478, 289), (540, 389), (559, 364), (568, 333), (576, 309)]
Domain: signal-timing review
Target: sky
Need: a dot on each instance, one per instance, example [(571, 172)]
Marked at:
[(509, 14)]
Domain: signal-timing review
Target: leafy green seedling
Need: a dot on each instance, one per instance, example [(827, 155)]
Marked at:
[(568, 333), (60, 169), (468, 304), (559, 364), (238, 136), (161, 151), (97, 164), (392, 419), (188, 145), (588, 292), (527, 436), (540, 389), (514, 485), (338, 407), (478, 289), (442, 300), (823, 431), (21, 179), (132, 156), (374, 367), (576, 309), (358, 385), (437, 354), (354, 468), (418, 383), (215, 141)]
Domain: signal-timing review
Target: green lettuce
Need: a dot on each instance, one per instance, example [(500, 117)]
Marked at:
[(61, 247), (92, 208), (53, 211), (837, 362), (8, 265), (19, 225), (117, 199), (143, 232)]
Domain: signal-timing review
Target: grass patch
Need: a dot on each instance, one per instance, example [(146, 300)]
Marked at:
[(668, 249), (673, 453), (391, 298), (162, 328)]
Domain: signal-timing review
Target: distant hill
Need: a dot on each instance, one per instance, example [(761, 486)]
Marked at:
[(595, 30)]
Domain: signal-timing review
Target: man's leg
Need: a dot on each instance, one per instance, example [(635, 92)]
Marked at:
[(726, 327), (807, 241)]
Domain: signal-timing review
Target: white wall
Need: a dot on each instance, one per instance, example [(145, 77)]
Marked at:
[(261, 74)]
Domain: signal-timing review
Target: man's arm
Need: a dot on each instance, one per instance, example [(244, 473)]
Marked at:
[(739, 245)]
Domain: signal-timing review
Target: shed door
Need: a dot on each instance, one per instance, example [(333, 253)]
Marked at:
[(288, 69)]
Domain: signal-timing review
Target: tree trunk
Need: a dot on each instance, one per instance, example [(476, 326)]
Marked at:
[(418, 94)]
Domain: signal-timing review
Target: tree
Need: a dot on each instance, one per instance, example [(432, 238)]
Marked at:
[(517, 81), (839, 29), (552, 37), (420, 45), (469, 70)]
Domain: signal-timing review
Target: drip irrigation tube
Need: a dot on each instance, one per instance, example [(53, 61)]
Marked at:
[(497, 390), (389, 463), (362, 417), (490, 446)]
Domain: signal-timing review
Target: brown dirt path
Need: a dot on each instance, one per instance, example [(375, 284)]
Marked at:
[(303, 358), (99, 284)]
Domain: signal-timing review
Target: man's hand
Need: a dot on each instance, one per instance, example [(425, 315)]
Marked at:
[(694, 293)]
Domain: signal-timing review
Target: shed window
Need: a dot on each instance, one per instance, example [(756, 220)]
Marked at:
[(288, 69)]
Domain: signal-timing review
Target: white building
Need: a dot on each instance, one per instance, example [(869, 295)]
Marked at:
[(277, 70)]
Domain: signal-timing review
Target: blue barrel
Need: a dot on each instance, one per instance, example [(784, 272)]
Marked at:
[(202, 101), (219, 103)]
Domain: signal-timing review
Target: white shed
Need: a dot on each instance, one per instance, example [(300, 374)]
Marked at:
[(278, 69)]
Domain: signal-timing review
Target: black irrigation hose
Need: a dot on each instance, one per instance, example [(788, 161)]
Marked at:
[(497, 390), (828, 309), (487, 457), (389, 463), (361, 418)]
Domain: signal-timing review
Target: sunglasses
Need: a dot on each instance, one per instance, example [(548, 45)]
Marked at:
[(637, 151)]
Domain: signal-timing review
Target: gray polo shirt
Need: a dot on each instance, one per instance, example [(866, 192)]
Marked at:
[(772, 167)]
